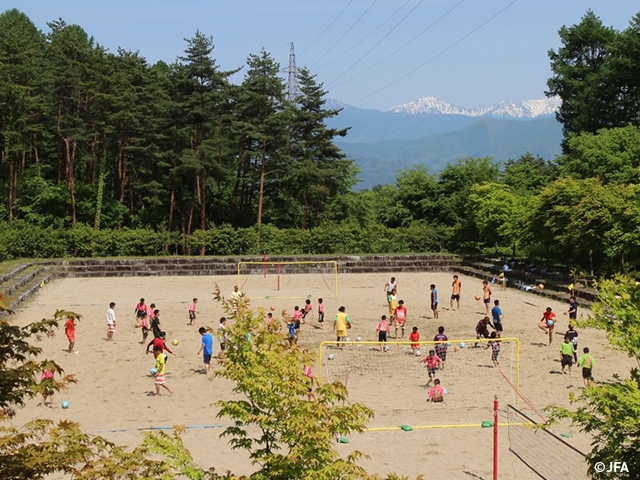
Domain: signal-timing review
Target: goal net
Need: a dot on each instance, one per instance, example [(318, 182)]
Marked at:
[(541, 450), (288, 279), (391, 379)]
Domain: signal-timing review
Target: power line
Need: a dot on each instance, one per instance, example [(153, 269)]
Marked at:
[(436, 56), (328, 27), (365, 37), (315, 19), (345, 33), (398, 49), (379, 42)]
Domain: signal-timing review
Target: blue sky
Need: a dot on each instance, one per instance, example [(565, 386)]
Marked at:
[(460, 54)]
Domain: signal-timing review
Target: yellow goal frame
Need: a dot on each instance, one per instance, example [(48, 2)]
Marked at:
[(276, 263)]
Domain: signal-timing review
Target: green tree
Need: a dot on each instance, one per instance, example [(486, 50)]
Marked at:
[(610, 410), (611, 154), (23, 77), (499, 214), (297, 418), (316, 170), (528, 174)]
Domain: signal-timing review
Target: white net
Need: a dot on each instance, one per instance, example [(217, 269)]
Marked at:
[(288, 279), (392, 381), (542, 451)]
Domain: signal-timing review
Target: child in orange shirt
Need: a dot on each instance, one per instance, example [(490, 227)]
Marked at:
[(70, 331), (414, 336)]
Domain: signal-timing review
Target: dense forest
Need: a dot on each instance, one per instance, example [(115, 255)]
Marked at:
[(104, 154)]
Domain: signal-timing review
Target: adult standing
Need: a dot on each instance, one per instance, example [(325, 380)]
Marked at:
[(390, 286), (111, 321), (341, 323), (573, 310), (496, 314), (155, 324), (456, 286)]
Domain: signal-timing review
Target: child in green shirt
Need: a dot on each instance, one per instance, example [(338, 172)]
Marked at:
[(586, 361), (566, 354)]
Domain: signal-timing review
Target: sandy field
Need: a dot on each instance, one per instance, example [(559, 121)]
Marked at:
[(114, 397)]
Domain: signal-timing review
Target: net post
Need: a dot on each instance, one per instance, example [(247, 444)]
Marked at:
[(278, 276), (335, 276), (495, 437), (517, 399), (238, 274)]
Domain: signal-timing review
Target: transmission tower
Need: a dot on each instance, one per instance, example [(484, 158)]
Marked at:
[(293, 90)]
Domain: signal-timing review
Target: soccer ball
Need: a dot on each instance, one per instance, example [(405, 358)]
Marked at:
[(272, 308), (347, 339), (386, 348), (477, 297), (175, 342), (358, 339), (153, 371), (462, 345), (418, 353), (331, 357), (550, 323), (65, 404)]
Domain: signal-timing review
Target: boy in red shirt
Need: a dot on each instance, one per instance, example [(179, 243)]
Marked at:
[(414, 336), (70, 331), (400, 315), (158, 342), (548, 322)]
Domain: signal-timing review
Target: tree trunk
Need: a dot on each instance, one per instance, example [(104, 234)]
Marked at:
[(203, 206), (261, 195), (591, 261)]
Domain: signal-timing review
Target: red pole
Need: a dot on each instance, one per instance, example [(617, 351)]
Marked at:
[(495, 437), (278, 277), (264, 262)]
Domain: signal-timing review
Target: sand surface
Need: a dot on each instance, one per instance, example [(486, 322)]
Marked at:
[(114, 399)]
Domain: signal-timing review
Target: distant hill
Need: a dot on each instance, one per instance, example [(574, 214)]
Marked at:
[(501, 139)]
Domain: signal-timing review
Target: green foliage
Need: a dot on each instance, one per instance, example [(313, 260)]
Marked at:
[(611, 154), (610, 410)]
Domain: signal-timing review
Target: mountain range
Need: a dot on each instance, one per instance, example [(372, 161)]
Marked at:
[(434, 133)]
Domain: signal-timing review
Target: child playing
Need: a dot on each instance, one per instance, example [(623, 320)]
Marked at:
[(434, 300), (308, 308), (573, 338), (566, 354), (414, 336), (206, 348), (297, 319), (383, 329), (441, 346), (321, 313), (432, 361), (495, 348), (547, 323), (223, 336), (269, 318), (400, 317), (70, 331), (292, 332), (144, 322), (160, 371), (391, 300), (141, 308), (586, 361), (45, 379), (341, 323), (486, 294), (437, 392), (192, 311)]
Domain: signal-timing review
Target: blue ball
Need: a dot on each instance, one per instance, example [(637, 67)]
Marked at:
[(65, 404), (462, 345), (153, 371)]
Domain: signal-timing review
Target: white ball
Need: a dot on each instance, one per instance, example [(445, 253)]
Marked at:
[(331, 357), (418, 353), (386, 348), (358, 339), (347, 339), (462, 345)]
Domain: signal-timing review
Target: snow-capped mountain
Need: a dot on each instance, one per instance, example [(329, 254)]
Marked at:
[(504, 109)]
